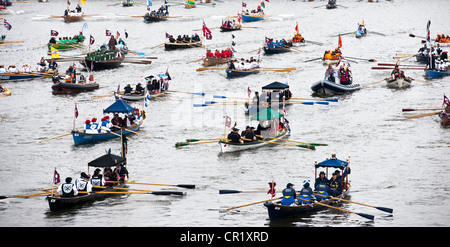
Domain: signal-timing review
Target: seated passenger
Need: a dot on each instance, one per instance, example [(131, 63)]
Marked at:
[(128, 89), (139, 89), (305, 194), (289, 195), (67, 189)]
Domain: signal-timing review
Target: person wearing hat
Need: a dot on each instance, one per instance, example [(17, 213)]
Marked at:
[(87, 126), (289, 195), (139, 89), (128, 89), (321, 186), (335, 185), (83, 184), (305, 193), (234, 136), (250, 134), (67, 189), (2, 69), (97, 180), (94, 125), (102, 127)]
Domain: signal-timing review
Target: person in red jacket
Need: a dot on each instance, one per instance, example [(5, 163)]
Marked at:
[(209, 53)]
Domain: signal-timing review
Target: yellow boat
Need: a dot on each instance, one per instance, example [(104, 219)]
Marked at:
[(5, 93)]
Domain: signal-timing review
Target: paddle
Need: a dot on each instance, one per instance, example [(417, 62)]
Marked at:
[(314, 59), (400, 65), (425, 82), (187, 186), (373, 83), (239, 191), (180, 193), (415, 36), (196, 140), (312, 144), (56, 137), (132, 131), (421, 68), (253, 203), (364, 59), (389, 210), (181, 144), (330, 100), (301, 146), (367, 216), (195, 61), (201, 94), (409, 109), (422, 115), (210, 68), (24, 196)]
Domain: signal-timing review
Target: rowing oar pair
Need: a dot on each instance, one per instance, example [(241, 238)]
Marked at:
[(137, 191), (187, 186), (307, 146), (422, 115), (197, 141), (307, 143)]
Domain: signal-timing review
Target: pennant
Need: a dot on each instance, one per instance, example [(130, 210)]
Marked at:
[(7, 25), (206, 32), (83, 2), (147, 99), (68, 2), (108, 33), (149, 3), (272, 190), (167, 74), (54, 33), (167, 35), (249, 92), (126, 34), (56, 178), (76, 111), (227, 121), (262, 4), (83, 30), (244, 5), (296, 28), (340, 41), (446, 101), (117, 35), (91, 40)]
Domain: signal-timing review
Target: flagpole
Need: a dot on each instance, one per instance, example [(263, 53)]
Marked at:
[(225, 129), (53, 182), (75, 116)]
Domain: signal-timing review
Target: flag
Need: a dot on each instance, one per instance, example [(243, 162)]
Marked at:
[(56, 179), (206, 32), (296, 28), (268, 40), (227, 121), (249, 92), (76, 111), (68, 3), (117, 35), (126, 34), (446, 101), (91, 40), (108, 33), (54, 33), (147, 98), (167, 35), (272, 190), (124, 144), (7, 25), (83, 2), (428, 30), (55, 53), (167, 74), (244, 5), (340, 41), (262, 4), (149, 3), (239, 18), (232, 40)]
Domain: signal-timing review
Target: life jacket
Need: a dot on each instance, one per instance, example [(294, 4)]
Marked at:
[(288, 197), (67, 190), (322, 189)]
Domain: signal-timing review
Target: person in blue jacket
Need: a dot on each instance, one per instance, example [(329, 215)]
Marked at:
[(305, 194), (289, 195)]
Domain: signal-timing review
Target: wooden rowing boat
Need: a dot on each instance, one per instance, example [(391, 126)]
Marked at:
[(211, 61), (330, 61), (173, 46), (277, 211), (73, 17), (25, 76), (250, 18), (153, 18), (398, 82), (232, 73), (5, 92), (275, 50), (230, 29), (445, 119), (63, 87), (102, 60), (331, 6), (226, 146)]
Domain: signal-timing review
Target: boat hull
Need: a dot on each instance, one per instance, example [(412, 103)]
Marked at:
[(174, 46), (326, 87), (62, 47), (445, 119), (398, 83), (211, 61), (225, 29), (227, 147), (149, 18), (278, 211), (80, 138), (250, 18), (102, 64), (25, 76), (268, 50), (436, 74), (73, 18), (239, 73), (63, 87)]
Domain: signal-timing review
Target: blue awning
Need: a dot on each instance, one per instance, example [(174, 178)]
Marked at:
[(119, 107)]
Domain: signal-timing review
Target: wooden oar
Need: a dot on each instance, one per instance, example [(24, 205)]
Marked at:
[(400, 65), (367, 216), (245, 191), (409, 109), (373, 83), (286, 144), (56, 137), (181, 144), (389, 210), (211, 68), (197, 140), (425, 82), (421, 68), (422, 115), (133, 131), (180, 193), (195, 61), (187, 186), (330, 100), (364, 59), (307, 143), (11, 41), (25, 196), (415, 36), (253, 203), (314, 59)]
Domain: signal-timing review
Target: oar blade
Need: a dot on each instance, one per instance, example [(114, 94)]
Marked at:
[(192, 140), (229, 191), (367, 216), (388, 210), (187, 186), (307, 146), (322, 102), (181, 144), (331, 100), (165, 193), (318, 144), (307, 103)]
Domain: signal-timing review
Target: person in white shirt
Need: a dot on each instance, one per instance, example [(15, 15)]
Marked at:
[(67, 189), (2, 69), (83, 183), (26, 68), (13, 69)]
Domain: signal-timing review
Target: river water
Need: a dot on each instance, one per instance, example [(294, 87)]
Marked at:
[(397, 164)]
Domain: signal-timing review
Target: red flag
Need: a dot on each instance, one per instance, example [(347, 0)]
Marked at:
[(56, 179), (446, 101), (296, 28), (76, 111), (244, 5), (108, 33), (272, 190), (206, 32), (53, 33), (340, 41), (249, 91), (91, 40)]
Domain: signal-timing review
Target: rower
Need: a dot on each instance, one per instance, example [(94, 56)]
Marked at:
[(209, 53), (94, 125), (289, 195), (139, 89), (67, 189), (2, 69), (97, 179), (83, 183), (128, 89), (305, 193), (234, 136), (87, 126)]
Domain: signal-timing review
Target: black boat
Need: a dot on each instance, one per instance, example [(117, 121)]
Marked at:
[(102, 60), (174, 46), (268, 50), (153, 18), (276, 210), (107, 160), (63, 87)]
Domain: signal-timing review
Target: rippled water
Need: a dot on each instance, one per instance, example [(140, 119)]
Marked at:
[(396, 164)]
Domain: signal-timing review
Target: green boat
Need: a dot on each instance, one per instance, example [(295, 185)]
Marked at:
[(67, 44)]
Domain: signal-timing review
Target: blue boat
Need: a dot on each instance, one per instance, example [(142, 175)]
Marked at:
[(326, 87), (436, 73), (250, 18), (25, 76), (237, 73), (80, 137)]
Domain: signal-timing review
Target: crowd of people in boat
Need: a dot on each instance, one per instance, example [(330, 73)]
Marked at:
[(87, 183), (442, 38), (266, 98), (161, 12), (227, 53), (332, 55), (243, 64), (257, 11), (278, 44), (41, 66), (298, 38), (106, 124), (344, 74), (185, 38), (68, 40), (250, 134), (323, 188), (76, 11), (437, 60), (397, 73), (231, 24), (71, 77)]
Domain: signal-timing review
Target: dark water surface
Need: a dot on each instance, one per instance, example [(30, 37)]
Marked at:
[(398, 164)]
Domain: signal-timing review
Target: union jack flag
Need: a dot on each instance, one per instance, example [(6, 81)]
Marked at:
[(7, 25), (446, 101)]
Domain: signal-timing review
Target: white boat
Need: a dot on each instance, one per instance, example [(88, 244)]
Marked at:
[(227, 147), (398, 82)]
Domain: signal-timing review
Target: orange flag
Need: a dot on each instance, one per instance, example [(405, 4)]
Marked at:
[(340, 41), (296, 28)]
